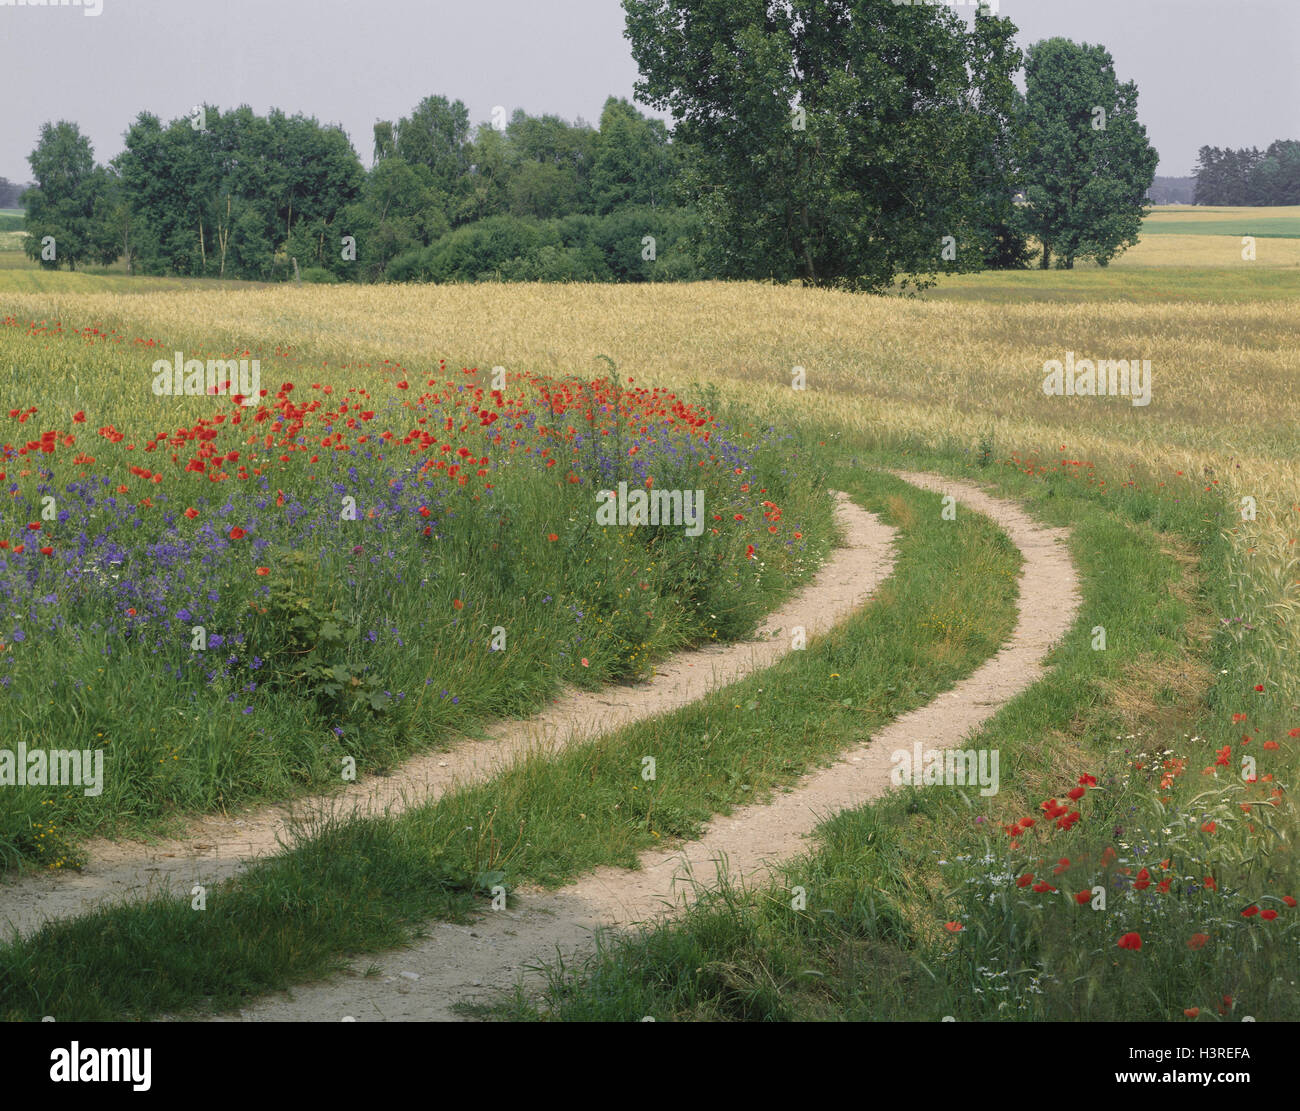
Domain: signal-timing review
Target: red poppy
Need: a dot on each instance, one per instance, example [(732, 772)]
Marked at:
[(237, 533), (1197, 941), (953, 927), (457, 604), (1268, 915), (1250, 911), (552, 537), (1083, 898), (263, 570), (1289, 900), (1209, 827), (1130, 941), (191, 513), (1077, 793), (47, 551), (1025, 880)]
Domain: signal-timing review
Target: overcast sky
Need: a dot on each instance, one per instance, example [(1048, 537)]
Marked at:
[(1217, 72)]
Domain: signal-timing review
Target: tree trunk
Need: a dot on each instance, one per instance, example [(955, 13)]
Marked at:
[(806, 220), (223, 238)]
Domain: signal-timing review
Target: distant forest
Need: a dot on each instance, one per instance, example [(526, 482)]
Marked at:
[(11, 193), (1249, 176), (1172, 190)]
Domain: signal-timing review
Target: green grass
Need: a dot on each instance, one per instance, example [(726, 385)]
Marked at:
[(1088, 284), (365, 885), (1261, 227), (870, 944), (412, 661), (20, 274)]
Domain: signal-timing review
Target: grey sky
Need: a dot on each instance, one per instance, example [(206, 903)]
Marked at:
[(1218, 72)]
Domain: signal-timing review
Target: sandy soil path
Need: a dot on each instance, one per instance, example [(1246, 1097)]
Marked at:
[(462, 963), (219, 846)]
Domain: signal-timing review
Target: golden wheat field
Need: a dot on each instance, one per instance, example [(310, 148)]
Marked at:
[(958, 364)]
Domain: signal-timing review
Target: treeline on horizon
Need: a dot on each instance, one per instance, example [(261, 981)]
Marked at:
[(1249, 176), (893, 147), (235, 194)]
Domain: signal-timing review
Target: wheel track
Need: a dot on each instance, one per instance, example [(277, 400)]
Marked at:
[(220, 846), (458, 962)]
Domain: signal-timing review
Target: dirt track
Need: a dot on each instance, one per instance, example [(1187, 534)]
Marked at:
[(456, 963), (220, 846)]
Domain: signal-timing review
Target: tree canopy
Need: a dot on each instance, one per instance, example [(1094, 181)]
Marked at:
[(1087, 162)]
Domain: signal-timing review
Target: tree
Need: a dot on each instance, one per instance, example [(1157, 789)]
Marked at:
[(1248, 177), (998, 238), (1088, 164), (833, 141), (70, 201), (548, 165), (10, 193), (486, 192), (633, 162), (1278, 174), (227, 197), (436, 136), (113, 221), (399, 211)]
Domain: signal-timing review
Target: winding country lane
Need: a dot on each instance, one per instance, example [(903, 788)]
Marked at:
[(461, 963), (219, 846)]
